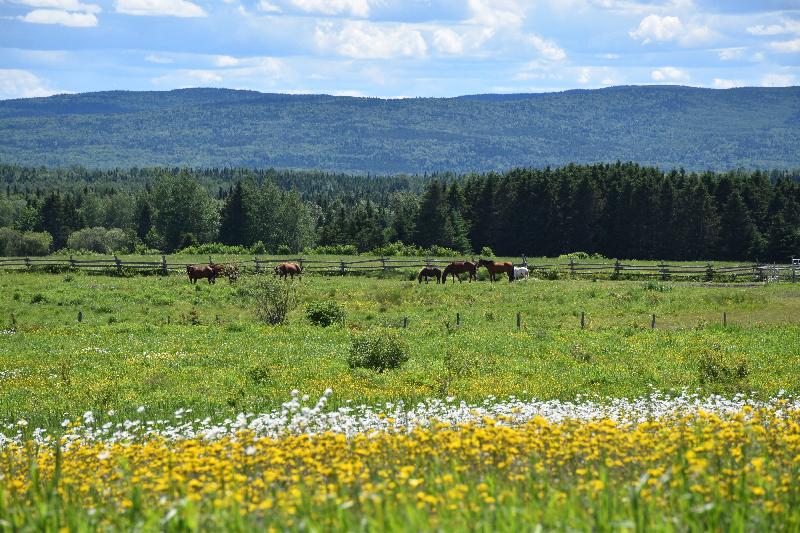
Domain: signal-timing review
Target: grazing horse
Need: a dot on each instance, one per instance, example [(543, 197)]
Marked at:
[(288, 269), (520, 273), (494, 268), (196, 272), (430, 272), (458, 267)]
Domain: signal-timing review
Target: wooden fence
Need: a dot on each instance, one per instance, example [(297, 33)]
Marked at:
[(617, 270)]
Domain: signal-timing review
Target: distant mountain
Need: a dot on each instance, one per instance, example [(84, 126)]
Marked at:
[(667, 126)]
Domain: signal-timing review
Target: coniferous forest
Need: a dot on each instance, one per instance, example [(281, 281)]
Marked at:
[(620, 210)]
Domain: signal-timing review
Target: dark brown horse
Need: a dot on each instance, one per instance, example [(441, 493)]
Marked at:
[(288, 269), (495, 267), (229, 271), (432, 272), (196, 272), (458, 267)]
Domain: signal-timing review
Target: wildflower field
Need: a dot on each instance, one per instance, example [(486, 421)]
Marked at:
[(170, 406)]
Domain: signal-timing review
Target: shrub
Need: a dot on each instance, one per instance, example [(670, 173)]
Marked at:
[(24, 243), (718, 367), (379, 349), (487, 252), (335, 249), (100, 240), (271, 296), (210, 248), (325, 313)]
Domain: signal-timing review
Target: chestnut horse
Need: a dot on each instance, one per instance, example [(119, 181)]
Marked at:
[(430, 272), (288, 269), (196, 272), (459, 267), (494, 268)]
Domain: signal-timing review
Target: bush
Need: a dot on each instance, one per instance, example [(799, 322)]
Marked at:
[(717, 367), (581, 256), (412, 250), (24, 243), (378, 349), (325, 313), (210, 248), (335, 249), (271, 296), (100, 240), (487, 252)]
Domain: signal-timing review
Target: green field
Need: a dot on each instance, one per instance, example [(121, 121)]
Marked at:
[(165, 344)]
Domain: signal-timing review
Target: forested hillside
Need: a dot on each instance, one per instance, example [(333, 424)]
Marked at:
[(665, 126), (621, 210)]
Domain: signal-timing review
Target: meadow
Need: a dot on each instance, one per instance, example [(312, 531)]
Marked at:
[(153, 349)]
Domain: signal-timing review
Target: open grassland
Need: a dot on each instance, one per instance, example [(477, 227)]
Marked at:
[(195, 355), (166, 344)]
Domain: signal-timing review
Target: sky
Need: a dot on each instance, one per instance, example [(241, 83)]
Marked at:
[(394, 48)]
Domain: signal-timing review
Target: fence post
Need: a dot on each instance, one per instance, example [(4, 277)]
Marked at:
[(794, 272), (653, 323), (583, 321), (255, 261), (341, 267), (383, 263), (458, 319), (519, 322), (300, 260), (80, 316), (617, 268), (724, 318), (164, 265), (27, 262), (572, 267), (524, 261), (119, 263), (664, 272), (709, 272), (71, 262), (405, 322)]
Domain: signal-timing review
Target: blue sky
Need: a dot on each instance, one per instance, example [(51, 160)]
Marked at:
[(394, 48)]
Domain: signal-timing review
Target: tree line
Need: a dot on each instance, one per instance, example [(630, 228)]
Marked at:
[(620, 210)]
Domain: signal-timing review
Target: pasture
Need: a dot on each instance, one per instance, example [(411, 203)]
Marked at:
[(178, 408), (167, 344)]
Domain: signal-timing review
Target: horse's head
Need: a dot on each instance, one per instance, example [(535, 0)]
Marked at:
[(483, 262), (278, 269)]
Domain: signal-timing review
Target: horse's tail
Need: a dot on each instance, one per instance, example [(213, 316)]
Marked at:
[(419, 277)]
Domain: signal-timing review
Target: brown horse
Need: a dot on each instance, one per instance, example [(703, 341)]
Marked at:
[(430, 272), (288, 269), (494, 268), (196, 272), (458, 267)]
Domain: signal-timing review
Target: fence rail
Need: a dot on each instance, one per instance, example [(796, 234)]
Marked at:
[(616, 270)]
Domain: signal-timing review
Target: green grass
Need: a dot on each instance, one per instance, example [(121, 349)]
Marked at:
[(161, 342)]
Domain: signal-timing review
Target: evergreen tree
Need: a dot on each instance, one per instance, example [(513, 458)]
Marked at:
[(430, 221), (53, 220), (234, 220)]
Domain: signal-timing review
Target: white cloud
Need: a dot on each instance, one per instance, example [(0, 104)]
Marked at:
[(349, 92), (64, 18), (16, 83), (720, 83), (547, 49), (786, 47), (62, 5), (610, 56), (657, 28), (160, 8), (226, 61), (495, 13), (448, 41), (154, 58), (777, 80), (669, 74), (268, 7), (364, 40), (727, 54), (786, 26), (356, 8), (668, 28)]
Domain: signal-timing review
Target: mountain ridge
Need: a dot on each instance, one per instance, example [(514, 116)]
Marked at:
[(661, 125)]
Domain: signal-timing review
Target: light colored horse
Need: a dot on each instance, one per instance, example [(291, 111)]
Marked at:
[(521, 273)]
